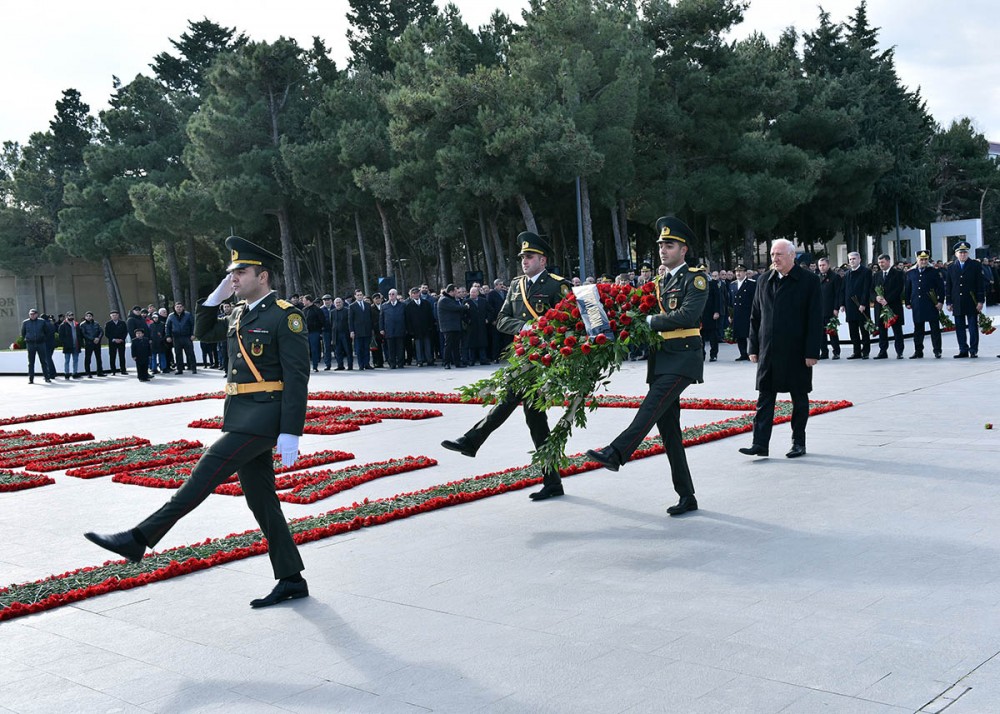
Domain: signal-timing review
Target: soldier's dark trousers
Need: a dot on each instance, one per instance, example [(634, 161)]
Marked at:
[(662, 407), (763, 420), (250, 457), (741, 344), (834, 343), (538, 426), (918, 336)]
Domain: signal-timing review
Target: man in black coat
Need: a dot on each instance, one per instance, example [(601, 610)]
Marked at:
[(359, 317), (341, 329), (91, 334), (891, 282), (831, 291), (681, 292), (419, 315), (786, 335), (710, 319), (857, 294), (923, 293), (392, 326), (451, 313), (965, 296), (741, 292), (115, 331), (315, 324)]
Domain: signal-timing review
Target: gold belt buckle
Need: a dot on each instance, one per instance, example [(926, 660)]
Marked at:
[(232, 388)]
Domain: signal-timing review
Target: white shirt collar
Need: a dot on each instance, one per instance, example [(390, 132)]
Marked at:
[(255, 303)]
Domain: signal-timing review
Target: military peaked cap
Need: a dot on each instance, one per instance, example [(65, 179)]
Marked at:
[(961, 245), (243, 254), (923, 254), (671, 228), (531, 243)]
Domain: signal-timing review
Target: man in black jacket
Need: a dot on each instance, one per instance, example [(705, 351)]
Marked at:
[(91, 334), (890, 281), (115, 331), (315, 324), (857, 294), (786, 334), (831, 292)]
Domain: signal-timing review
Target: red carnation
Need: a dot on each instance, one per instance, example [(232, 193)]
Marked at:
[(519, 352), (542, 322), (570, 340), (566, 351), (623, 335), (648, 287), (533, 356), (575, 312), (579, 327), (546, 359), (585, 348), (548, 330), (621, 299), (600, 339), (534, 340), (635, 298), (562, 329)]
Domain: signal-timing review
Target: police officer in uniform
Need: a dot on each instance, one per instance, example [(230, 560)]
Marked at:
[(529, 296), (923, 293), (678, 362), (741, 293), (266, 392), (965, 297)]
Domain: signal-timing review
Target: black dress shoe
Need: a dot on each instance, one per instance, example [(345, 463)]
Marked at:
[(284, 590), (881, 355), (742, 359), (837, 356), (607, 457), (546, 492), (854, 357), (461, 445), (973, 355), (124, 544), (754, 450), (899, 356), (917, 355), (712, 359), (961, 355), (687, 503), (796, 451), (937, 355)]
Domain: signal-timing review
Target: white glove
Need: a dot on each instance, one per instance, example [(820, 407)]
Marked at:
[(649, 320), (221, 293), (288, 448)]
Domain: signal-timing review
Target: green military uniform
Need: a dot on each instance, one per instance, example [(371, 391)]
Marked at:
[(677, 363), (526, 301), (258, 408)]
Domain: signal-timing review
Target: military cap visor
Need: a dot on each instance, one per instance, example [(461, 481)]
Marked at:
[(244, 254), (961, 246), (923, 254)]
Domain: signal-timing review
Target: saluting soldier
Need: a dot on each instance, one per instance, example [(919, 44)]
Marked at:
[(923, 293), (529, 296), (682, 293), (266, 392)]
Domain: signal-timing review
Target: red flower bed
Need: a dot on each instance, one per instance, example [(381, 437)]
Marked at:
[(75, 455), (175, 476), (174, 452), (109, 408), (338, 420), (18, 481)]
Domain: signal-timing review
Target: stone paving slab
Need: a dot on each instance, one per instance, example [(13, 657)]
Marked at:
[(861, 578)]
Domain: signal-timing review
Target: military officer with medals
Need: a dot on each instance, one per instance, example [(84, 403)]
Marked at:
[(265, 407), (682, 293), (529, 296), (923, 293)]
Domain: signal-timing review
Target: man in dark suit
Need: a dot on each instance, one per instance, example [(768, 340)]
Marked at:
[(360, 322), (786, 335), (965, 295), (891, 282), (923, 293), (378, 348), (420, 326), (857, 294), (831, 292), (451, 312), (530, 295), (341, 329), (116, 331), (710, 319), (741, 293), (682, 293), (265, 408), (392, 326)]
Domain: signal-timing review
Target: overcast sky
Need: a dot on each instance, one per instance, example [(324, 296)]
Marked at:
[(946, 49)]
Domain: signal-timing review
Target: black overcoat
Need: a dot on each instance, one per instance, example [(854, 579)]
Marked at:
[(892, 287), (742, 300), (786, 328)]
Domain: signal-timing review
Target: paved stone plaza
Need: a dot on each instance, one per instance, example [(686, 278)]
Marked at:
[(864, 577)]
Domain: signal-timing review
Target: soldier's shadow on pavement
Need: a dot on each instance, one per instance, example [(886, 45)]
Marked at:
[(384, 673)]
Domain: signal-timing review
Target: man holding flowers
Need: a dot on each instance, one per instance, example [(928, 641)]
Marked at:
[(681, 292), (529, 296)]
